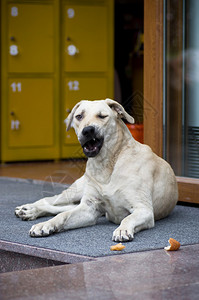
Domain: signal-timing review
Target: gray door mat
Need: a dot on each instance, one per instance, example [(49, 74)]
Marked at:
[(90, 242)]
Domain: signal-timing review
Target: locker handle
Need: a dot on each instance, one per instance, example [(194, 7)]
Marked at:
[(15, 124), (68, 110)]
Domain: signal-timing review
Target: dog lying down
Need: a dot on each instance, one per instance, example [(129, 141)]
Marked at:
[(124, 180)]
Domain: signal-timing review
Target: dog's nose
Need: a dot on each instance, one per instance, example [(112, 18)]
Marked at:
[(88, 131)]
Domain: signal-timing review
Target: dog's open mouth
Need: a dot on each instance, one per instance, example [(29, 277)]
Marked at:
[(92, 147)]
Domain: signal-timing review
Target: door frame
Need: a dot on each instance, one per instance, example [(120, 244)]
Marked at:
[(154, 92)]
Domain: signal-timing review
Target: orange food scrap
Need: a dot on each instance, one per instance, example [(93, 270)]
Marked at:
[(117, 247), (174, 245)]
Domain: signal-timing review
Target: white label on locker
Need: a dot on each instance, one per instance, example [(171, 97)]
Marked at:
[(73, 85), (15, 125), (16, 87), (72, 50), (71, 13), (14, 50), (14, 11)]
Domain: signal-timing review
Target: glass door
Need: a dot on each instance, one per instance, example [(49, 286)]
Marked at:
[(171, 89), (181, 105)]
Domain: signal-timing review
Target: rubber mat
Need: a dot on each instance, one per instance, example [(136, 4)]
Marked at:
[(94, 241)]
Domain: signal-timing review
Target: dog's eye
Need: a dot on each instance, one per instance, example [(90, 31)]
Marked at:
[(79, 117), (102, 117)]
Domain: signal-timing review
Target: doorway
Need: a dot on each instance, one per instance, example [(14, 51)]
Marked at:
[(129, 50)]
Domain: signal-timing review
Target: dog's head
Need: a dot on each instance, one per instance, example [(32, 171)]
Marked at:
[(94, 122)]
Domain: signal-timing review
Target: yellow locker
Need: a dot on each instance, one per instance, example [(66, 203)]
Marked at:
[(31, 120), (77, 89), (54, 53), (30, 38), (87, 53), (29, 80), (86, 38)]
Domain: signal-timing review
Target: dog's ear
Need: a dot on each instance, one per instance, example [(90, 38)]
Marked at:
[(120, 110), (69, 119)]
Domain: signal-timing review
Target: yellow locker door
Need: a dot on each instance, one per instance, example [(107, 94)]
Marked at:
[(30, 38), (85, 38), (31, 121), (76, 89)]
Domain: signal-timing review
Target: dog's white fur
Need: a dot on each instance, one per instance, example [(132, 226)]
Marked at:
[(125, 181)]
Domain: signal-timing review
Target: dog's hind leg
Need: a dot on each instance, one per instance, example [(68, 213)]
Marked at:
[(67, 200)]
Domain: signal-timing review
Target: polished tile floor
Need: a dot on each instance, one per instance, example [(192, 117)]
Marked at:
[(145, 275)]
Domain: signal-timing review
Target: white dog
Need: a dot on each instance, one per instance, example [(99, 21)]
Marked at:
[(124, 180)]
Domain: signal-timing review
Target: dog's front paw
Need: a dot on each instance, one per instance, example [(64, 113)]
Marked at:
[(43, 229), (27, 212), (122, 235)]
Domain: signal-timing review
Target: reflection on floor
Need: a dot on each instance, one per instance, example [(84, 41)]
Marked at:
[(146, 275), (59, 171)]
